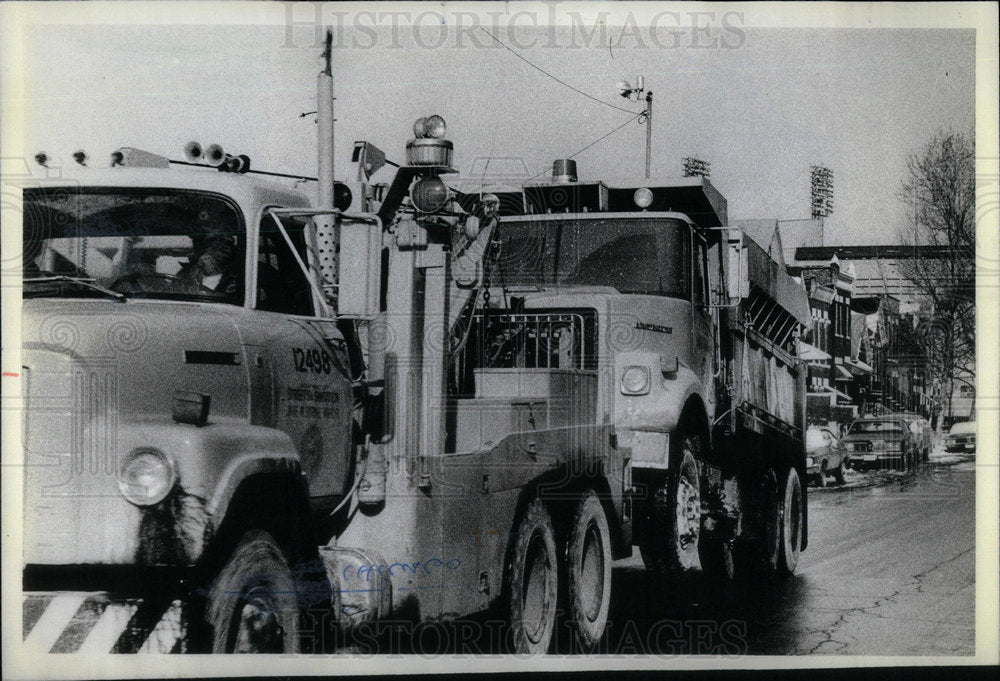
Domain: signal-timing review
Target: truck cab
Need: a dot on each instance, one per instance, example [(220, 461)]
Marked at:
[(180, 381)]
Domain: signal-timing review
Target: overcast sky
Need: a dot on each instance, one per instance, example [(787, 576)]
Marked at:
[(761, 104)]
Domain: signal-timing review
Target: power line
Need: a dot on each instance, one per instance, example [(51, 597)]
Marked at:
[(599, 139), (561, 82)]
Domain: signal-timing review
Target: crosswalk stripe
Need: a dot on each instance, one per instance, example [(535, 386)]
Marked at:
[(107, 630), (50, 625), (167, 632), (34, 606), (80, 626)]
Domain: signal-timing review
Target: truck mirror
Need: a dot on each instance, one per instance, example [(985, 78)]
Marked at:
[(359, 267), (736, 266)]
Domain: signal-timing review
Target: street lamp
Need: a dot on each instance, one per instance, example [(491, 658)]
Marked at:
[(634, 94)]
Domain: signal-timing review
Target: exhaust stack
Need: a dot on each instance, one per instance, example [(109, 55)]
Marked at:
[(326, 237)]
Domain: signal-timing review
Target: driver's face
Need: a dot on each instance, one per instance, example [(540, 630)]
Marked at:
[(209, 265), (216, 258)]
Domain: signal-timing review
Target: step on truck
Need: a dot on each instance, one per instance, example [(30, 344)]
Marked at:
[(253, 423)]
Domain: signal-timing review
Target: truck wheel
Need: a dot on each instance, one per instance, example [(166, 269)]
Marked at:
[(670, 542), (588, 572), (533, 582), (252, 605), (791, 524), (716, 557), (821, 478), (757, 556)]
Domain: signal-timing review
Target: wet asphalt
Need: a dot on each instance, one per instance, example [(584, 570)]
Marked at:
[(890, 570)]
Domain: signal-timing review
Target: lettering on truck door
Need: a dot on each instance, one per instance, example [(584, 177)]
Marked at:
[(311, 388)]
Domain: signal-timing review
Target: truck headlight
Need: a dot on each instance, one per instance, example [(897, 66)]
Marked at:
[(635, 380), (146, 477), (809, 461)]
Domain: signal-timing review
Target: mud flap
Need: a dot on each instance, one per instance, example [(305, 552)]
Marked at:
[(360, 582)]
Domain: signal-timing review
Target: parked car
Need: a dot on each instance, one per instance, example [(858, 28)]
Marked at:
[(880, 442), (825, 456), (961, 437), (922, 435)]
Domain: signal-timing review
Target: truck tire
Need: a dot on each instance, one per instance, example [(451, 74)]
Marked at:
[(670, 540), (252, 605), (716, 557), (533, 581), (821, 478), (791, 524), (757, 556), (588, 572)]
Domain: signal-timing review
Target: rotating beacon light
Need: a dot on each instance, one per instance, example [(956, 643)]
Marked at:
[(429, 148)]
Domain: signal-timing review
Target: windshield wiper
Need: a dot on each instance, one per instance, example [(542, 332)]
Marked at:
[(88, 283)]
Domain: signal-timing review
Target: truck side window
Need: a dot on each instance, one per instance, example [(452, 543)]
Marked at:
[(281, 284)]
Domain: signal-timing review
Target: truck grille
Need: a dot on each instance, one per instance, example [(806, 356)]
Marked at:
[(502, 340)]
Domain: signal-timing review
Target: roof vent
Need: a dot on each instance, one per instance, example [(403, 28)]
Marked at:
[(564, 170)]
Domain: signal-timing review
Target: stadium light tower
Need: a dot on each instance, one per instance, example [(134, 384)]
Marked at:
[(822, 191), (695, 167)]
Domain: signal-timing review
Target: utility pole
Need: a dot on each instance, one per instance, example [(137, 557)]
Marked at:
[(649, 129), (634, 94)]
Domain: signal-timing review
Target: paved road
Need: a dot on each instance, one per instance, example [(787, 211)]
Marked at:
[(890, 570)]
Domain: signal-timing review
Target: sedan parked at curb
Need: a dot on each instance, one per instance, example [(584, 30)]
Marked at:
[(880, 442), (961, 437), (825, 456)]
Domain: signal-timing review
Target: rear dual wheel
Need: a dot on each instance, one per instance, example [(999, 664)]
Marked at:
[(533, 577), (588, 572), (773, 549), (533, 582), (792, 514)]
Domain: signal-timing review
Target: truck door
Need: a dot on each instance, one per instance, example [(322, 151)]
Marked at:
[(311, 391), (702, 331)]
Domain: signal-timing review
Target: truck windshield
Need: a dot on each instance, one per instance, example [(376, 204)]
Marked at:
[(152, 243), (633, 255)]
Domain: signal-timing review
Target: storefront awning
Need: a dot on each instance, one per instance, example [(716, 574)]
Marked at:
[(859, 368), (839, 394), (843, 374), (811, 353)]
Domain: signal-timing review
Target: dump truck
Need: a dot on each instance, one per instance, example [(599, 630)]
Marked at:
[(251, 419)]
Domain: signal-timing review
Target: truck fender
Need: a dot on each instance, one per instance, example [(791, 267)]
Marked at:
[(669, 391), (210, 463), (259, 451)]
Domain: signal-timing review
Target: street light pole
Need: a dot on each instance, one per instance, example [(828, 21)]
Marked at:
[(649, 129), (634, 94)]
